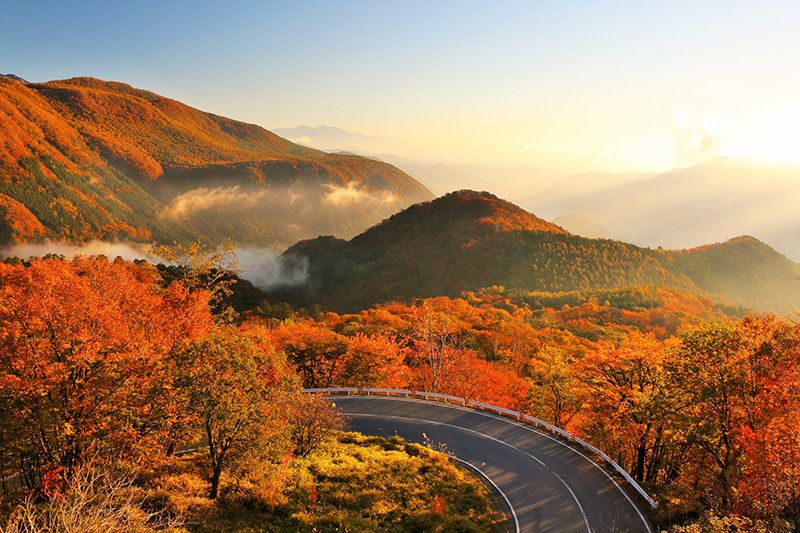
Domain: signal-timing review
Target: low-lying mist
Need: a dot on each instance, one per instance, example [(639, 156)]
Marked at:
[(279, 215), (263, 267)]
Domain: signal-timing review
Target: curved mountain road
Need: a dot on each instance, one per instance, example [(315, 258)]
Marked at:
[(551, 486)]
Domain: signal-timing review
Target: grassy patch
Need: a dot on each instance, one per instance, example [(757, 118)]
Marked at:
[(350, 483)]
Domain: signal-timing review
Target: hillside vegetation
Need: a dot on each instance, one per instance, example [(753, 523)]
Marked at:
[(350, 483), (116, 366), (107, 370), (467, 240), (88, 159)]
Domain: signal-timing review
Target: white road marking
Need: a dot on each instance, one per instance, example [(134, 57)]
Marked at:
[(489, 480), (418, 420)]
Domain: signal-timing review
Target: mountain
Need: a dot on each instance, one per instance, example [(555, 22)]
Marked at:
[(13, 77), (333, 139), (439, 176), (745, 270), (85, 159), (709, 202), (580, 224), (579, 184), (469, 240)]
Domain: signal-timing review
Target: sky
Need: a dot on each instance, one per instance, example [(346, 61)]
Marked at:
[(573, 85)]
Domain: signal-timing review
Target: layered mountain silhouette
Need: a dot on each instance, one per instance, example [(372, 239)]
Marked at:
[(687, 207), (585, 227), (85, 159), (468, 240)]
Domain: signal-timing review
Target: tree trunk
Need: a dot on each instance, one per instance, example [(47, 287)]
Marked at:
[(214, 492), (641, 453)]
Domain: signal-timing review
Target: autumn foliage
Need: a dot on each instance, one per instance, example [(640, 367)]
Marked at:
[(84, 159), (103, 359), (698, 404), (84, 349)]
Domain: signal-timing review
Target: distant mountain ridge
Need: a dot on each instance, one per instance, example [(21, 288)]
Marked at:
[(585, 227), (468, 240), (687, 207), (84, 159), (330, 138)]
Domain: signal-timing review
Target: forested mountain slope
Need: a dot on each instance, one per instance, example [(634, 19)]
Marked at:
[(85, 159), (468, 240)]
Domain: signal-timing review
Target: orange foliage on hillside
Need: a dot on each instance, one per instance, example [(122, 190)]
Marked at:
[(148, 131), (700, 407), (84, 122), (504, 216), (23, 225), (84, 358), (693, 403), (32, 128), (93, 159)]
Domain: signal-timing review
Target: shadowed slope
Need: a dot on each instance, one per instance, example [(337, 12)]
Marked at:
[(467, 240)]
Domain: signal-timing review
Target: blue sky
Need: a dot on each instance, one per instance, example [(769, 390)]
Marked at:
[(594, 84)]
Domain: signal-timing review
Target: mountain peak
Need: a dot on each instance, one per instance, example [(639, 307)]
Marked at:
[(480, 209), (747, 240), (14, 77), (467, 240)]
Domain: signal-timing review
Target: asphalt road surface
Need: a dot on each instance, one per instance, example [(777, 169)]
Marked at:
[(550, 485)]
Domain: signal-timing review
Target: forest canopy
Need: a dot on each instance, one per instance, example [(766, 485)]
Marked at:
[(116, 363)]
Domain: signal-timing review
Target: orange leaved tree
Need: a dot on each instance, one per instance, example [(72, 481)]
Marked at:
[(83, 359), (316, 352), (234, 391)]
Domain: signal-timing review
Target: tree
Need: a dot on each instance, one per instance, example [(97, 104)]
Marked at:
[(770, 472), (633, 404), (312, 419), (436, 340), (198, 267), (84, 348), (235, 394), (770, 480), (372, 361), (558, 393), (316, 351), (740, 378)]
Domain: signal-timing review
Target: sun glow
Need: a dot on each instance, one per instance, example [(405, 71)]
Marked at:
[(773, 148)]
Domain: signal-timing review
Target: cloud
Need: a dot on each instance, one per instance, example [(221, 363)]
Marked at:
[(694, 140), (303, 139), (127, 251), (348, 194), (293, 196), (352, 194), (263, 267), (203, 199)]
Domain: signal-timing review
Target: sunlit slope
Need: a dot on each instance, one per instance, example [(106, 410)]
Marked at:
[(85, 158), (468, 240)]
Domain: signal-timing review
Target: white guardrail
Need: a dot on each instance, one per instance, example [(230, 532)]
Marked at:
[(488, 407)]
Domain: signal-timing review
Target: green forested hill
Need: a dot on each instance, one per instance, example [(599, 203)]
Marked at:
[(468, 240)]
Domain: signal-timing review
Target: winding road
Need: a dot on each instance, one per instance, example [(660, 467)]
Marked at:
[(551, 486)]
